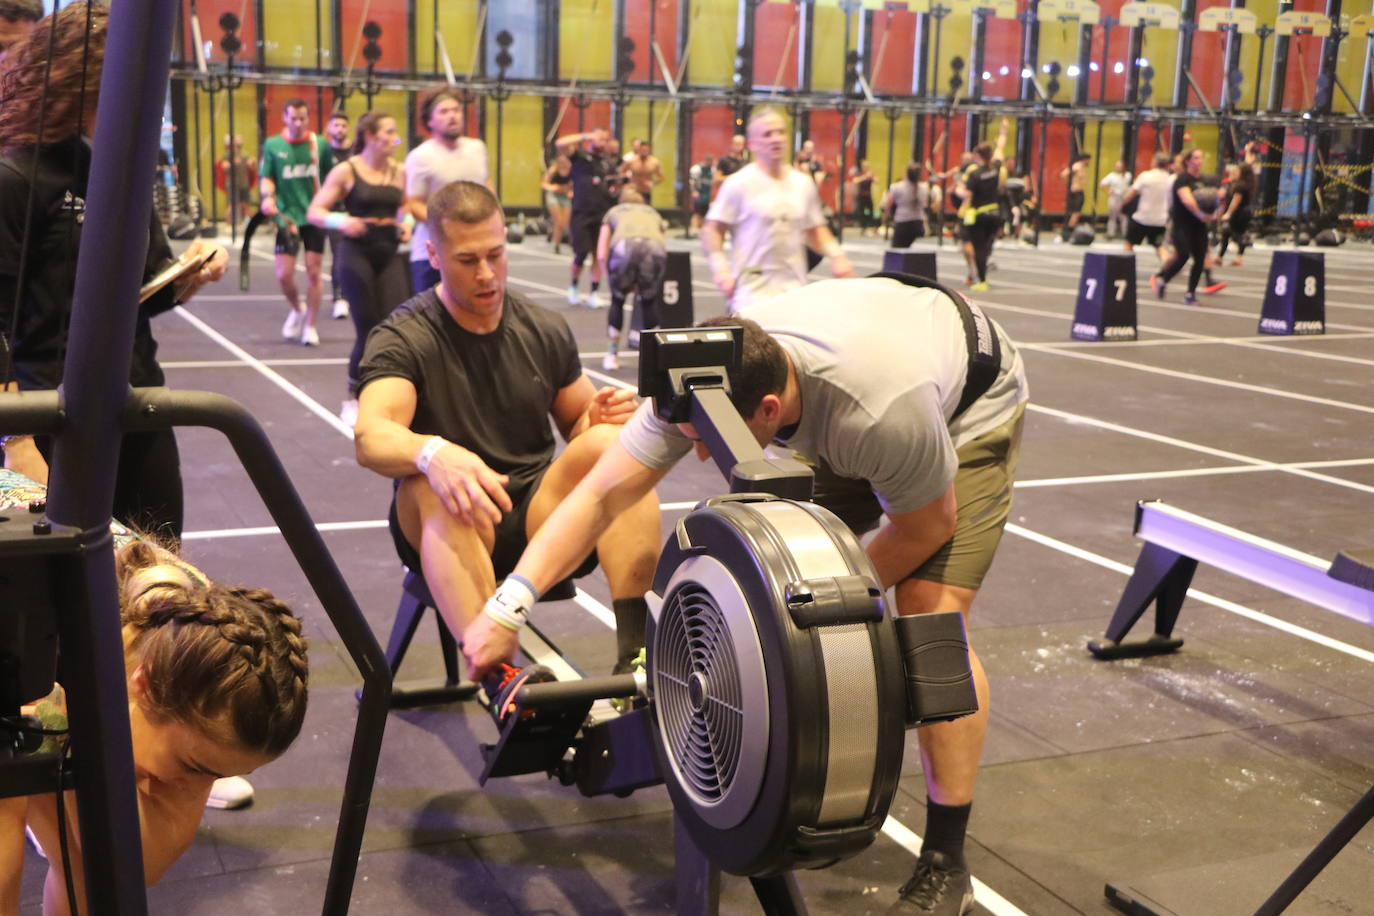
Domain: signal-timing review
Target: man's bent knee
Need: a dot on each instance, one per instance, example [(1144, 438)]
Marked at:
[(419, 508), (925, 596)]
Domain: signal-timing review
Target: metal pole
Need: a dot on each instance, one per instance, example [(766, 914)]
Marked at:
[(940, 11), (119, 196)]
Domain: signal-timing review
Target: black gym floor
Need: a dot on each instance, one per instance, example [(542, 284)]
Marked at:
[(1199, 779)]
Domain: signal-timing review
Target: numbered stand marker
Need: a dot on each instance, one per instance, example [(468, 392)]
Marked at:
[(906, 261), (1295, 299), (675, 308), (1105, 309)]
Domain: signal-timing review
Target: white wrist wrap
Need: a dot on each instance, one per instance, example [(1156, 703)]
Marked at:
[(431, 448), (833, 250), (510, 606)]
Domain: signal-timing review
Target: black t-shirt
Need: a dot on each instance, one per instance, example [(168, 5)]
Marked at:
[(59, 208), (728, 165), (981, 181), (1183, 217), (489, 393), (595, 177), (1241, 191)]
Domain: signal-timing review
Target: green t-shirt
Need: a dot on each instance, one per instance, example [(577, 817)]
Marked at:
[(297, 169)]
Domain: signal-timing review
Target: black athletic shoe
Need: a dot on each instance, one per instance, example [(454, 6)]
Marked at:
[(938, 887)]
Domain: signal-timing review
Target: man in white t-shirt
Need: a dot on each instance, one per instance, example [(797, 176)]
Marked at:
[(447, 156), (1117, 182), (1152, 193), (772, 213)]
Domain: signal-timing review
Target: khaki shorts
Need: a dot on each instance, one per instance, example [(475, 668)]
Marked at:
[(982, 487)]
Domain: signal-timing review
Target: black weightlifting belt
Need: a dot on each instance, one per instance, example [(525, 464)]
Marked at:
[(984, 350)]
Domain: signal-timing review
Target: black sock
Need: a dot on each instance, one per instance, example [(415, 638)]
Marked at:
[(630, 614), (945, 829), (595, 285)]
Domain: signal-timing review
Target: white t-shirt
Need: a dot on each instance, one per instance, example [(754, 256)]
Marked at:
[(430, 166), (881, 367), (1117, 184), (768, 218), (1155, 188)]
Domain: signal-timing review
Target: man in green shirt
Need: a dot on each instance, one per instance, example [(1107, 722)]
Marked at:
[(292, 165)]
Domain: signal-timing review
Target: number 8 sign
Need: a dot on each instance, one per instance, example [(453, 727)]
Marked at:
[(1295, 297)]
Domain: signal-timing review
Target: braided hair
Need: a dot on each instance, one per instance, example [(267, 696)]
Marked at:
[(230, 662)]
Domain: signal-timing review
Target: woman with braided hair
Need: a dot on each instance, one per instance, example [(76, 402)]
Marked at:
[(217, 687)]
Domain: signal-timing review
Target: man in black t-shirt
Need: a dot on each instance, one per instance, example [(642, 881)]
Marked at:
[(457, 387), (596, 181), (733, 161)]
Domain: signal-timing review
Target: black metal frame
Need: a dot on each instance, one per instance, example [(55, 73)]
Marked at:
[(87, 419)]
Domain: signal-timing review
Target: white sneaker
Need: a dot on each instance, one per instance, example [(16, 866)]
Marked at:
[(291, 328), (310, 337), (340, 308), (349, 412), (610, 362), (572, 295), (593, 301), (229, 793)]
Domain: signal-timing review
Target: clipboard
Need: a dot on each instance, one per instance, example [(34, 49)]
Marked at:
[(182, 267)]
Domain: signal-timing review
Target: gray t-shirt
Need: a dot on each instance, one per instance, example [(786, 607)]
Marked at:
[(635, 221), (910, 201), (881, 367), (430, 166)]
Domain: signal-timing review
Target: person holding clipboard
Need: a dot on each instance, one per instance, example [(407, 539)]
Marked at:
[(36, 288)]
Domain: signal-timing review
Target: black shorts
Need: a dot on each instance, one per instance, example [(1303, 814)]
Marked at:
[(289, 243), (1075, 202), (1138, 232), (510, 534), (701, 206), (584, 228)]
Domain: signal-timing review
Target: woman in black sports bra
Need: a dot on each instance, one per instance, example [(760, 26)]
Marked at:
[(371, 187)]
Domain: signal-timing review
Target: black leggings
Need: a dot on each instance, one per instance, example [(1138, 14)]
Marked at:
[(148, 494), (1235, 228), (374, 282), (1189, 242), (906, 232), (982, 234)]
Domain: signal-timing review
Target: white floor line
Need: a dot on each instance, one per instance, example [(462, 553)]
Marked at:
[(1210, 380), (1196, 447), (242, 297), (219, 533), (1035, 483), (239, 364), (1188, 472), (1232, 607), (267, 372)]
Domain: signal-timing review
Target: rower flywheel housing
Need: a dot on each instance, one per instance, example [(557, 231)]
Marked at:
[(776, 684)]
